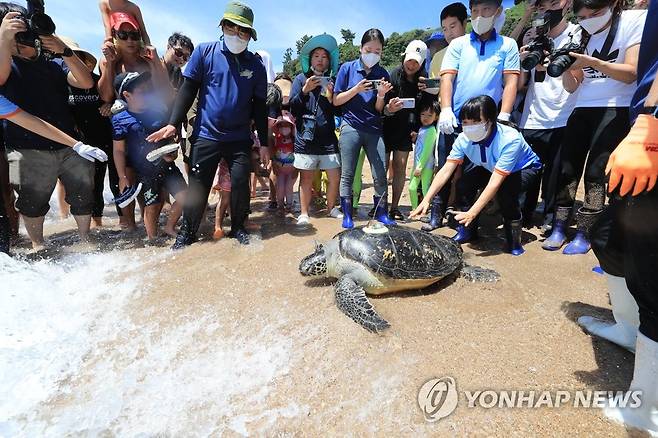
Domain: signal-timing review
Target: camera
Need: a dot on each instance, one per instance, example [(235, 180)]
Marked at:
[(308, 127), (38, 24), (561, 60), (539, 46)]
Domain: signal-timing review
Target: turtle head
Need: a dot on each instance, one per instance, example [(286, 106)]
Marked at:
[(315, 264)]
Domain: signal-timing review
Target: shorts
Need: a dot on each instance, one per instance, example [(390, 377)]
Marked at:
[(314, 162), (34, 174), (169, 177), (398, 143), (222, 177)]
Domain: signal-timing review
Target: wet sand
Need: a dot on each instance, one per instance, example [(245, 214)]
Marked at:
[(227, 340)]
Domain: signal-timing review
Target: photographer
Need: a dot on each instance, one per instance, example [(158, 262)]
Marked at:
[(547, 104), (316, 145), (604, 81), (40, 86)]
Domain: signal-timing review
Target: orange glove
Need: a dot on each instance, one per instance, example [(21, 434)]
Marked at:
[(635, 160)]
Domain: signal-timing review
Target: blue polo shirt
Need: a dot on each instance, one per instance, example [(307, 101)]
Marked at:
[(505, 151), (7, 108), (360, 112), (229, 83), (479, 66), (647, 64), (134, 128)]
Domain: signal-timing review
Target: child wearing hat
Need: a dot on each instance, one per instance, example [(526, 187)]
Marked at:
[(283, 159), (154, 168)]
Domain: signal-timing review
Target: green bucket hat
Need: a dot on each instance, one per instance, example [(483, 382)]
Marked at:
[(326, 42), (240, 14)]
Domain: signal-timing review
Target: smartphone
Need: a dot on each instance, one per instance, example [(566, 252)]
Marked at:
[(324, 81), (408, 102), (375, 83), (432, 83)]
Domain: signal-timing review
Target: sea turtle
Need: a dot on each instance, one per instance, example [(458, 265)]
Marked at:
[(379, 260)]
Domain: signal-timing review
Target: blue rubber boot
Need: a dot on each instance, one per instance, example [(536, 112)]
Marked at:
[(580, 244), (558, 235), (381, 211), (465, 234), (436, 216), (513, 231), (346, 206)]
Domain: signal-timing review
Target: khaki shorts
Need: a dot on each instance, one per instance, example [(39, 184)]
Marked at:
[(34, 174), (315, 162)]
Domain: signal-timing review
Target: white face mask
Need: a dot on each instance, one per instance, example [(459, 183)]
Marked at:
[(483, 25), (285, 131), (595, 24), (235, 44), (370, 59), (475, 133)]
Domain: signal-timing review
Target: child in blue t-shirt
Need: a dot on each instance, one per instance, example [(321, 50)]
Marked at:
[(504, 167), (152, 164), (423, 170)]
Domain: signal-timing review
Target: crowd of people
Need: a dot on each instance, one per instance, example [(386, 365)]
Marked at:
[(487, 117)]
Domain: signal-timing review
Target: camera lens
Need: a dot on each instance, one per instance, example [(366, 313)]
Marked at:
[(42, 24), (532, 60), (559, 65)]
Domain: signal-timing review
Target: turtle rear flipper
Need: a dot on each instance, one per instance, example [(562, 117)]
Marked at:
[(479, 274), (352, 301)]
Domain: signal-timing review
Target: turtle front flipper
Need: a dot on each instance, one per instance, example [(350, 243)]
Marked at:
[(352, 301)]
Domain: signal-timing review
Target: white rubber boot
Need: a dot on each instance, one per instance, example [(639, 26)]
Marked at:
[(645, 379), (623, 331)]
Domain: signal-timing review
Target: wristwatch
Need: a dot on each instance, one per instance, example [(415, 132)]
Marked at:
[(67, 53), (652, 110)]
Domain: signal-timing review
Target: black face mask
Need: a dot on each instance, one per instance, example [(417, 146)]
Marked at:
[(554, 17)]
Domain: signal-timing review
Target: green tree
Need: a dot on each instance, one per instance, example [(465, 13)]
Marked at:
[(300, 43), (289, 63), (348, 36)]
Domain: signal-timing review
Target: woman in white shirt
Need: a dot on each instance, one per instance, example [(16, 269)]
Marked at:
[(604, 79)]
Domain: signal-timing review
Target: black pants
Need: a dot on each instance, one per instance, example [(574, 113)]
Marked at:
[(99, 183), (206, 155), (625, 240), (445, 145), (596, 131), (4, 226), (514, 186), (546, 144)]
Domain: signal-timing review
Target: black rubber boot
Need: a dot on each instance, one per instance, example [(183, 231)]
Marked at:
[(4, 234), (186, 235), (513, 231), (436, 216)]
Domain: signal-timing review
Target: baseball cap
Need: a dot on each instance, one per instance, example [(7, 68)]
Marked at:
[(119, 18), (128, 81), (436, 36), (416, 50)]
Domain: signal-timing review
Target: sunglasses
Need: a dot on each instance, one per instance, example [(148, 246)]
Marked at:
[(234, 29), (126, 35), (182, 55)]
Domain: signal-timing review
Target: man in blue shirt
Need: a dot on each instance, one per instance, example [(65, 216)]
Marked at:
[(503, 167), (231, 83), (625, 239), (479, 63)]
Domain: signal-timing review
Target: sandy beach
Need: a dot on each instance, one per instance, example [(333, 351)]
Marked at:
[(223, 340)]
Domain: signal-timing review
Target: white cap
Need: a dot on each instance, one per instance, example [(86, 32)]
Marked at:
[(416, 50)]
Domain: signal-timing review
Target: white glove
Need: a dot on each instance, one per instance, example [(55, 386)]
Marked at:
[(504, 117), (89, 152), (447, 121)]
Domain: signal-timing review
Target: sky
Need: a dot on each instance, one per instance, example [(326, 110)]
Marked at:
[(279, 22)]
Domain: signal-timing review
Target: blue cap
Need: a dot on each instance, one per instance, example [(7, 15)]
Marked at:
[(436, 36)]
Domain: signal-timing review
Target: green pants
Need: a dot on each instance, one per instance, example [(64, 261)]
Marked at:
[(356, 185), (425, 179)]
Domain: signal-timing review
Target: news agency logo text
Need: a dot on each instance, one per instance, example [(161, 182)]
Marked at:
[(438, 398)]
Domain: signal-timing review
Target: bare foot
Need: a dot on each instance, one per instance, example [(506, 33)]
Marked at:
[(218, 234), (96, 222), (171, 232)]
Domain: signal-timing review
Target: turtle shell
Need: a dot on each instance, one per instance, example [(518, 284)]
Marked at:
[(402, 253)]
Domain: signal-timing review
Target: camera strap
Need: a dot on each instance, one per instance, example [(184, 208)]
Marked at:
[(607, 45)]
